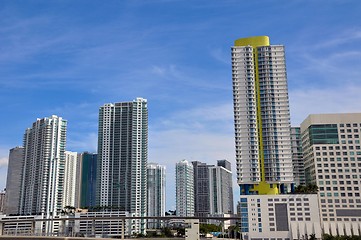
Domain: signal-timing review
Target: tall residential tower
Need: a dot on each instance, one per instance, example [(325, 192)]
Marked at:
[(261, 116), (220, 188), (122, 158), (156, 193), (184, 189), (201, 189), (42, 184)]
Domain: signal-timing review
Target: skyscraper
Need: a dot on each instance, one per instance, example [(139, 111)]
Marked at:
[(261, 115), (87, 179), (184, 189), (332, 153), (156, 193), (122, 158), (201, 189), (43, 170), (70, 180), (220, 188), (13, 181)]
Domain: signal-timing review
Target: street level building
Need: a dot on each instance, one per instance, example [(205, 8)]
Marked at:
[(332, 153), (102, 227), (122, 159), (261, 117), (284, 216)]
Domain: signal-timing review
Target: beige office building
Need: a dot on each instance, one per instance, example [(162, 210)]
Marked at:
[(332, 153)]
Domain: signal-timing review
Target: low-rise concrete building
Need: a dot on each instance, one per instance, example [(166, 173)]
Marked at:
[(275, 217)]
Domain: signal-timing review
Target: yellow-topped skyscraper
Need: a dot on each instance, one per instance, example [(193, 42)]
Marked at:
[(261, 117)]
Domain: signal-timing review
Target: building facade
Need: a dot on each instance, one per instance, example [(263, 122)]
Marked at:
[(103, 226), (43, 169), (122, 158), (70, 179), (273, 217), (220, 188), (13, 181), (297, 157), (184, 189), (156, 193), (261, 117), (201, 189), (332, 153), (87, 179), (42, 182)]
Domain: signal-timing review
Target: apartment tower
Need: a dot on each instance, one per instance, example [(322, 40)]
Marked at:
[(42, 182), (261, 117), (156, 193), (201, 189), (71, 195), (184, 189), (220, 188), (122, 158)]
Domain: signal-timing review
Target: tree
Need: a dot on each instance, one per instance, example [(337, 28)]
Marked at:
[(307, 189), (207, 228)]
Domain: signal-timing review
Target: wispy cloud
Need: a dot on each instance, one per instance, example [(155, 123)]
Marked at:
[(347, 36), (4, 160), (217, 118), (83, 142), (324, 100), (221, 56)]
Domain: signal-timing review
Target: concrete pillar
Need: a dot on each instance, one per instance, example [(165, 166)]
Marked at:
[(123, 228), (1, 228)]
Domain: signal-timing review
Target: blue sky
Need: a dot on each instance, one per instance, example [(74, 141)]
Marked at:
[(70, 57)]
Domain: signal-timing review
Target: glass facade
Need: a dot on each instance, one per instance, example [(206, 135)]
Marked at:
[(323, 134)]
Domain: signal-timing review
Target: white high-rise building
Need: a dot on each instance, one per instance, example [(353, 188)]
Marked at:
[(261, 117), (42, 185), (220, 188), (13, 181), (122, 159), (156, 193), (332, 154), (71, 193), (184, 189)]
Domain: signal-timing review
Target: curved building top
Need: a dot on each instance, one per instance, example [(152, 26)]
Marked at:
[(253, 41)]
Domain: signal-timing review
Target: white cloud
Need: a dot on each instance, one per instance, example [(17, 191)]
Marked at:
[(4, 159), (4, 156), (221, 56), (347, 36), (324, 100), (82, 142), (213, 118)]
